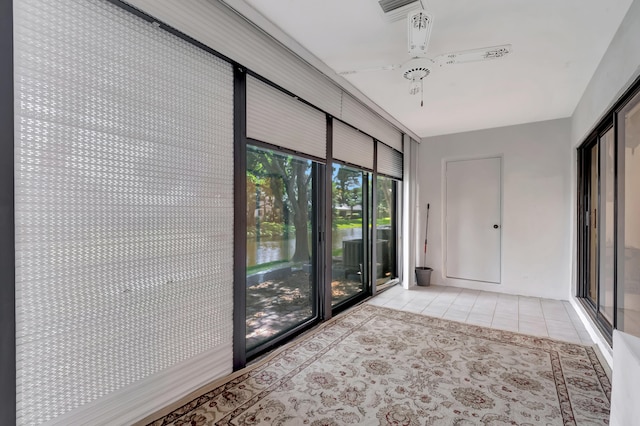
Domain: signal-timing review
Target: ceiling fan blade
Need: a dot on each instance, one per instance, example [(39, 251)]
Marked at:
[(473, 55), (372, 69)]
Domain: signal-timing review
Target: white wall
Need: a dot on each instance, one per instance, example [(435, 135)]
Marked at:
[(536, 204), (619, 67), (626, 380), (409, 186)]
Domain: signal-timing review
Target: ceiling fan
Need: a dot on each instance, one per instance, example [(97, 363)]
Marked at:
[(419, 25)]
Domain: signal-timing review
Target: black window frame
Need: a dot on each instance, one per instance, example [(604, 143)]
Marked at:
[(7, 222), (366, 236), (608, 121), (318, 170)]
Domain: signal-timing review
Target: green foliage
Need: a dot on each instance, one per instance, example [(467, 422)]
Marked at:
[(278, 191), (346, 191), (357, 223), (347, 223), (385, 196), (384, 221)]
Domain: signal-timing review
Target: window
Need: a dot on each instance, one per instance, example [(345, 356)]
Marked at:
[(350, 236), (629, 219), (606, 224), (304, 244), (386, 230), (281, 258)]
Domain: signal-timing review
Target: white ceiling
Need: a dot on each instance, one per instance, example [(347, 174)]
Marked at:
[(557, 45)]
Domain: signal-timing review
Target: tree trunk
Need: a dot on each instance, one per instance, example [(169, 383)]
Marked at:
[(301, 216), (301, 253), (386, 185), (251, 204)]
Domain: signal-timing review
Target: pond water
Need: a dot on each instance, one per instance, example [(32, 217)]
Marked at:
[(274, 250)]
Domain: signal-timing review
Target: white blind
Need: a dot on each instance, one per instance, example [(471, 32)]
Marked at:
[(352, 146), (361, 117), (214, 24), (211, 22), (124, 203), (279, 119), (389, 161)]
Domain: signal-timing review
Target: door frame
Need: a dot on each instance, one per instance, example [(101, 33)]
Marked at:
[(318, 242), (443, 221), (583, 249), (367, 238), (608, 120)]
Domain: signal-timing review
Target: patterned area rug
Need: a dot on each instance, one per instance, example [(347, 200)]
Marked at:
[(376, 365)]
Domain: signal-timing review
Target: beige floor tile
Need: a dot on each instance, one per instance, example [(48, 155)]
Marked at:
[(528, 315)]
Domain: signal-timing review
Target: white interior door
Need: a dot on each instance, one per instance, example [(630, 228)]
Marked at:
[(473, 219)]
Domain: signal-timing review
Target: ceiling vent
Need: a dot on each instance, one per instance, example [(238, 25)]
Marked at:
[(396, 10)]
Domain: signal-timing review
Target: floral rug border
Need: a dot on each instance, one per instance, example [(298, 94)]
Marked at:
[(546, 344)]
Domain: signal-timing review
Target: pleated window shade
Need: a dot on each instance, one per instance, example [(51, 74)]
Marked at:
[(352, 146), (279, 119), (361, 117), (215, 24), (389, 161), (124, 203)]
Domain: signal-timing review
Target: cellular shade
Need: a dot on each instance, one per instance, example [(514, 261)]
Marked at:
[(360, 117), (389, 161), (352, 146), (279, 119)]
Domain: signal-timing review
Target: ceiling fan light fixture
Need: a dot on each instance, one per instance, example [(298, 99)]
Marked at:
[(420, 24), (417, 73), (415, 86), (417, 68)]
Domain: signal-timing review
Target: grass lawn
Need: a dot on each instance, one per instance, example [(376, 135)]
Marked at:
[(264, 266), (357, 223)]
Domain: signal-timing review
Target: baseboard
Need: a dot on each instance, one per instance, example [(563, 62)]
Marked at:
[(149, 395), (594, 332)]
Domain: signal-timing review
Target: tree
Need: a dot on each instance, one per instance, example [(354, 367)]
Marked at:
[(385, 199), (347, 187), (289, 181)]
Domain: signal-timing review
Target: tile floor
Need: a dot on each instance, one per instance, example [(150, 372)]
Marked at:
[(529, 315)]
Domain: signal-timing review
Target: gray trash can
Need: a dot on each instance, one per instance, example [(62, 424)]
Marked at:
[(423, 275)]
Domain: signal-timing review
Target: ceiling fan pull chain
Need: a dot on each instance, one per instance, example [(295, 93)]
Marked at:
[(421, 92)]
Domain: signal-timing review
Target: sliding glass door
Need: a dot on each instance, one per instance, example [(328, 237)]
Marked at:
[(592, 225), (597, 209), (629, 219), (281, 259), (305, 242), (606, 224), (350, 237), (386, 189), (609, 220)]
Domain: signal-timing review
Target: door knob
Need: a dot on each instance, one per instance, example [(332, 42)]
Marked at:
[(496, 226)]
